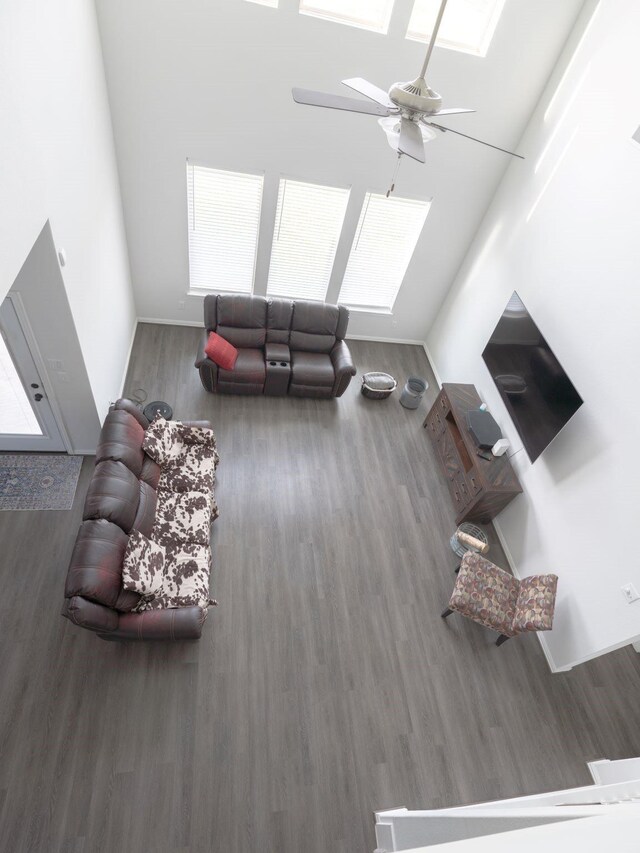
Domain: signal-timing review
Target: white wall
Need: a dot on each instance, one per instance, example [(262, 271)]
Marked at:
[(212, 81), (57, 163), (564, 230)]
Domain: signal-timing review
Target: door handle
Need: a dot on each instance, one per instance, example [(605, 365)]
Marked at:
[(38, 397)]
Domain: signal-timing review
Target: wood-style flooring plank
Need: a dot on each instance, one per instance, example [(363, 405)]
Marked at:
[(325, 685)]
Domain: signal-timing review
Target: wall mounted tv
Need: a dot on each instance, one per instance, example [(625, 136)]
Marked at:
[(537, 392)]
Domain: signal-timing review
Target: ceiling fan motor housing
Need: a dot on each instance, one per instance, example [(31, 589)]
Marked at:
[(415, 97)]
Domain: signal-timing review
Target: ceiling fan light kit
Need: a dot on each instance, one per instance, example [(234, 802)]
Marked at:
[(405, 110), (391, 126)]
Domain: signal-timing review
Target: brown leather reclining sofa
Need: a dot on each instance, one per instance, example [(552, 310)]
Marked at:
[(122, 496), (284, 346)]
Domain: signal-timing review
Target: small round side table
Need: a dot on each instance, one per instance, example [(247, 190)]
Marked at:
[(158, 407)]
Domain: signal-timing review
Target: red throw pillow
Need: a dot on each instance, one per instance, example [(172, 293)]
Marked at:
[(221, 352)]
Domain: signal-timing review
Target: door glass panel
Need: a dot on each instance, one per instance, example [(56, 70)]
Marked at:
[(16, 415)]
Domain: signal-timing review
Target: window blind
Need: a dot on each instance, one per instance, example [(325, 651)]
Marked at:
[(365, 14), (307, 228), (224, 219), (467, 25), (386, 236)]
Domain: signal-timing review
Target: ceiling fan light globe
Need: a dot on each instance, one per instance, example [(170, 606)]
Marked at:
[(391, 127)]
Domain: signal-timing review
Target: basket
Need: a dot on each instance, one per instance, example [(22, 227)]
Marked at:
[(459, 548), (378, 386)]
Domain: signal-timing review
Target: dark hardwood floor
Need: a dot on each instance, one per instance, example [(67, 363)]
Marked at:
[(325, 686)]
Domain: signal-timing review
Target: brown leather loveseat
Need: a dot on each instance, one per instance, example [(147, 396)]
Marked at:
[(284, 346), (122, 496)]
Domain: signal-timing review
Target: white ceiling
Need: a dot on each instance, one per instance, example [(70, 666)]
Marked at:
[(211, 80)]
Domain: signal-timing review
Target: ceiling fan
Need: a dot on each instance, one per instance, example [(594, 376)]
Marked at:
[(406, 110)]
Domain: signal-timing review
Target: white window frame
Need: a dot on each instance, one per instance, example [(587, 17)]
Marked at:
[(195, 290), (480, 50), (378, 309), (306, 7), (299, 180)]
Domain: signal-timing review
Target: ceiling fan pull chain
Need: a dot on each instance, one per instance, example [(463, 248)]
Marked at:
[(395, 175)]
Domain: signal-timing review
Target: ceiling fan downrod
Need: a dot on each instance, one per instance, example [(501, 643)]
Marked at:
[(434, 36)]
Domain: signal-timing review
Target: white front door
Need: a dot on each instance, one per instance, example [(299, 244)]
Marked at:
[(26, 419)]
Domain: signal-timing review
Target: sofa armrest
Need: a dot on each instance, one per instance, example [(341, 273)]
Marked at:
[(202, 357), (178, 623), (277, 352), (207, 369), (88, 614), (343, 366), (341, 359)]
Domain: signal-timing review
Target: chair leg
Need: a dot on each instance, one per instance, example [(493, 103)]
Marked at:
[(446, 613), (502, 639)]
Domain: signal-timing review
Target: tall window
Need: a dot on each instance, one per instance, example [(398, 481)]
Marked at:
[(308, 223), (224, 218), (386, 236), (366, 14), (467, 25)]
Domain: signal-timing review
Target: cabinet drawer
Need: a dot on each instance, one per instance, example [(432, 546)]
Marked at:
[(474, 483), (435, 423), (431, 424), (459, 498), (463, 487)]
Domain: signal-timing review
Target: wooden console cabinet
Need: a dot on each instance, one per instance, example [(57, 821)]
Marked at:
[(479, 487)]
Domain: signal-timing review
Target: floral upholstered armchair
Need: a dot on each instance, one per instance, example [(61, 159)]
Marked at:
[(494, 598)]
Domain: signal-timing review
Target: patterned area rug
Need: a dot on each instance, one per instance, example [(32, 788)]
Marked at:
[(38, 481)]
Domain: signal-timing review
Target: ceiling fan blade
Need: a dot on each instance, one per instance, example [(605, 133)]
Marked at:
[(451, 112), (411, 142), (473, 139), (376, 94), (337, 102)]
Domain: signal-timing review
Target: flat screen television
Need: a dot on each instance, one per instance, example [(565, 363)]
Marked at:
[(537, 392)]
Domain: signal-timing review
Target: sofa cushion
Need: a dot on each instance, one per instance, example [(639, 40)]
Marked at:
[(193, 464), (183, 517), (95, 571), (242, 319), (121, 440), (146, 512), (242, 311), (250, 368), (133, 409), (313, 328), (150, 473), (143, 565), (279, 315), (311, 368), (186, 578), (220, 351), (114, 494), (160, 439)]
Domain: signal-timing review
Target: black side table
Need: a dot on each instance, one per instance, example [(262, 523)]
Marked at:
[(158, 407)]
